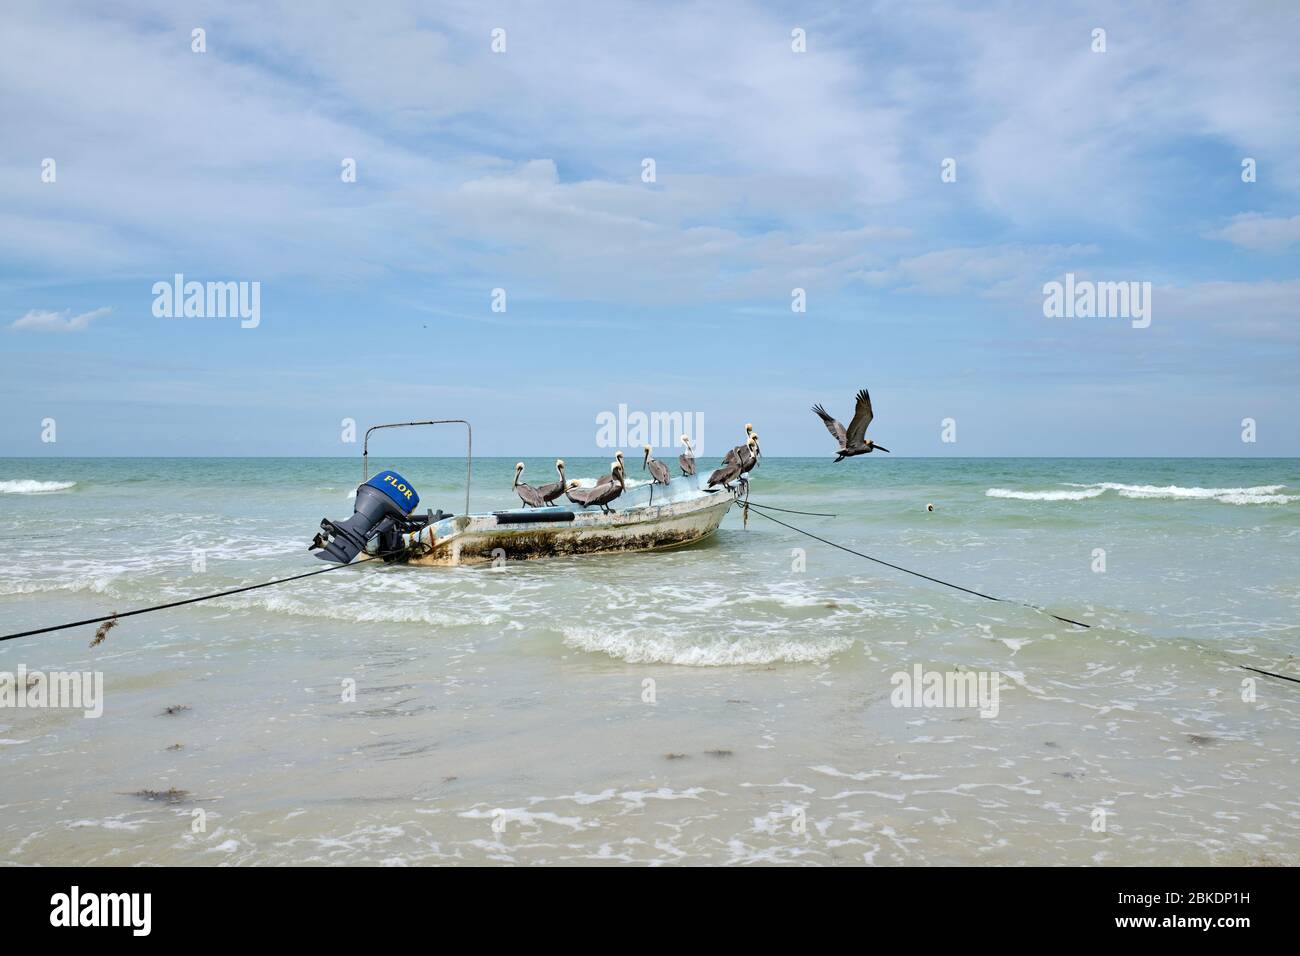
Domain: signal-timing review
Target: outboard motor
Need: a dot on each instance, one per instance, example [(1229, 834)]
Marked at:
[(382, 506)]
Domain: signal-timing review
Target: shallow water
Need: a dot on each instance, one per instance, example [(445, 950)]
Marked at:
[(725, 703)]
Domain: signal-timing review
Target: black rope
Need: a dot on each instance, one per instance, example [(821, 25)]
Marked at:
[(1294, 680), (988, 597), (814, 514), (896, 567), (194, 600)]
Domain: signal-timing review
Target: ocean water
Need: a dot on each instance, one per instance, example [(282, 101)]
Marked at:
[(731, 702)]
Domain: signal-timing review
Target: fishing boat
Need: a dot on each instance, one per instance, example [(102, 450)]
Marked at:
[(645, 517), (386, 522)]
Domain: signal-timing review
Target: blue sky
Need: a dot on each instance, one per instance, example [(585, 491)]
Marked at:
[(774, 169)]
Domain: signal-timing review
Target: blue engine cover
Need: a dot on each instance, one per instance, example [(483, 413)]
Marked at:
[(397, 488)]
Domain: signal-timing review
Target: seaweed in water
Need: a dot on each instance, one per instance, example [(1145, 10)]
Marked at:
[(174, 709), (102, 631), (171, 795)]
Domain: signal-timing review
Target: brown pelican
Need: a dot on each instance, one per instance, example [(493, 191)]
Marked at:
[(600, 495), (751, 461), (529, 495), (658, 470), (550, 492), (725, 475), (737, 454), (733, 469), (741, 454), (686, 460), (606, 479), (853, 441)]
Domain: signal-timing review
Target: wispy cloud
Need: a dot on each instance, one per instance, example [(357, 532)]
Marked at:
[(41, 320), (1250, 230), (775, 169)]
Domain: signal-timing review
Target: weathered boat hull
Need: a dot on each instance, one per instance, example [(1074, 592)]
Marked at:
[(678, 514)]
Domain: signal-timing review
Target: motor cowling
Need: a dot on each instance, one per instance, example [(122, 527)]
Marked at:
[(381, 505)]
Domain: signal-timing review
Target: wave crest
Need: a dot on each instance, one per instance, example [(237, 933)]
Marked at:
[(646, 647), (1256, 495), (1044, 495), (27, 486)]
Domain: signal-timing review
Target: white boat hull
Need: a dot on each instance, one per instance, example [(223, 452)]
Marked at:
[(674, 515)]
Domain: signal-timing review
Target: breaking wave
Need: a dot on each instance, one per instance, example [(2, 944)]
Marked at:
[(645, 647), (1257, 495), (27, 486), (1045, 495)]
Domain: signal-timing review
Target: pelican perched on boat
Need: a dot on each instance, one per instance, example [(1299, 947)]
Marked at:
[(529, 495), (751, 461), (853, 441), (742, 454), (725, 475), (737, 454), (606, 479), (686, 460), (600, 495), (554, 489), (658, 470), (733, 468)]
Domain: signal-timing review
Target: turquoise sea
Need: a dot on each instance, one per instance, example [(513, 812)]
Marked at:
[(729, 702)]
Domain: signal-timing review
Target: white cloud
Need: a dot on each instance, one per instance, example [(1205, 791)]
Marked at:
[(774, 168), (1266, 309), (1014, 270), (1251, 230), (41, 320)]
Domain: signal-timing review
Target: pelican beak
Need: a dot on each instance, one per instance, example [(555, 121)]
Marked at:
[(884, 449)]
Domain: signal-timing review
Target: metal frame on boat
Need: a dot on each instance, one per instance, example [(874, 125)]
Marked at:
[(646, 517)]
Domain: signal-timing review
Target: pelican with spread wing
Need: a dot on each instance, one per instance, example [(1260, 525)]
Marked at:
[(853, 440)]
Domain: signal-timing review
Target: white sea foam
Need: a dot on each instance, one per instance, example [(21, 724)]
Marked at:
[(1044, 495), (26, 486), (364, 612), (1257, 495), (1260, 494), (645, 647)]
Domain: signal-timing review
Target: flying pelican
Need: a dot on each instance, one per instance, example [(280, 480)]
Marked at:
[(606, 479), (686, 460), (852, 442), (550, 492), (529, 495), (601, 494), (658, 470)]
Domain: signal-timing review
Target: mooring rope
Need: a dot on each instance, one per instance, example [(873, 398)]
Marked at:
[(1294, 680), (898, 567), (193, 600), (748, 504), (814, 514), (988, 597)]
